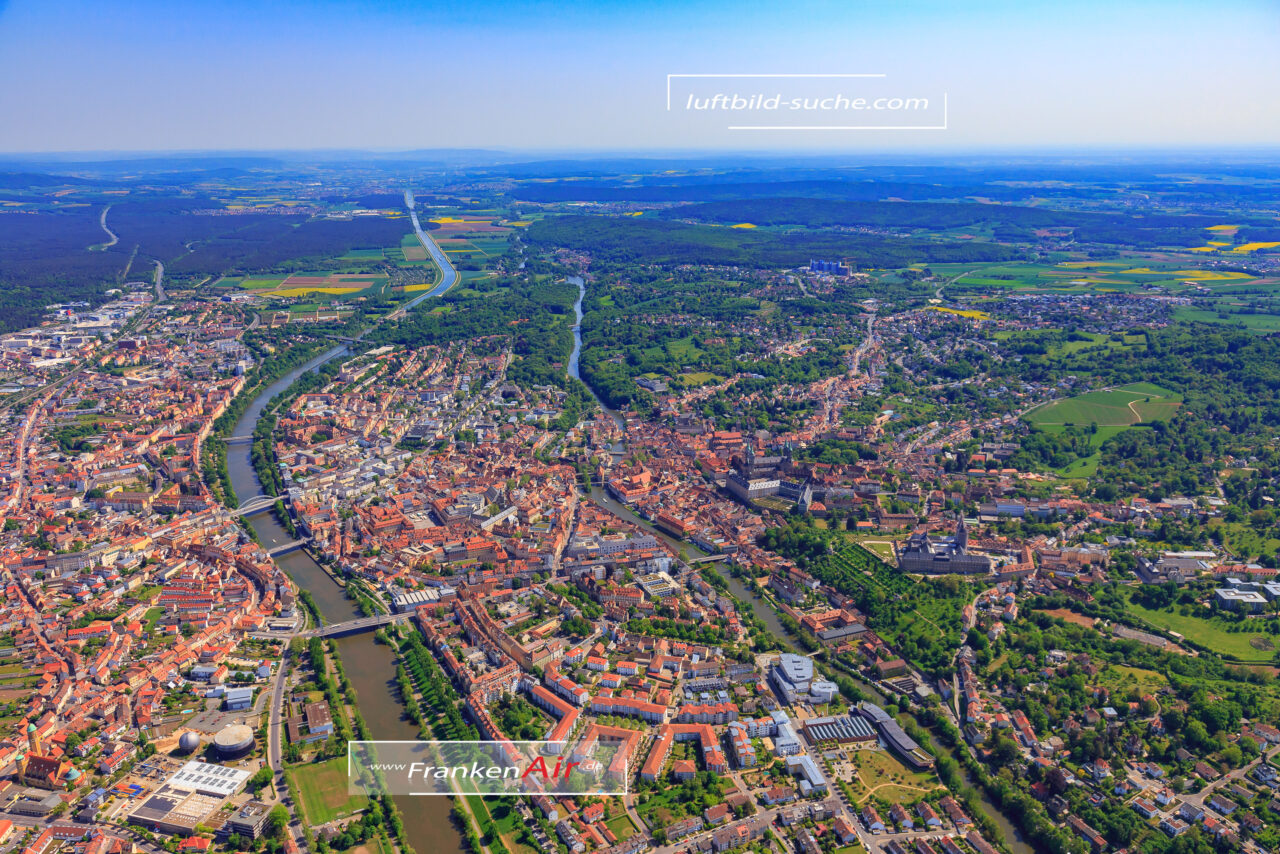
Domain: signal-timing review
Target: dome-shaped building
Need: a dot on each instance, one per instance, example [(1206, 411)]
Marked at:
[(189, 742)]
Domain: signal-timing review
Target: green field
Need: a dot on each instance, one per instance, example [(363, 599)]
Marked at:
[(1121, 679), (1113, 410), (1211, 633), (1119, 407), (1127, 275), (1252, 322), (257, 282), (697, 378), (880, 773), (363, 255), (1088, 466), (322, 789), (622, 826), (682, 349)]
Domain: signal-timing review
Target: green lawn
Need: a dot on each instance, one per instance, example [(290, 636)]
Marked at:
[(621, 826), (1242, 538), (1120, 679), (322, 789), (1087, 466), (1211, 633), (698, 378), (1252, 322), (1118, 407), (153, 616), (880, 773)]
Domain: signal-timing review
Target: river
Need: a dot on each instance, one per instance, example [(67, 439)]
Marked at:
[(581, 284), (448, 275), (764, 611), (370, 666)]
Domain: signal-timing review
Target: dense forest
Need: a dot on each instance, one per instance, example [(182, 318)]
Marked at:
[(1150, 229), (45, 259), (618, 240), (46, 255)]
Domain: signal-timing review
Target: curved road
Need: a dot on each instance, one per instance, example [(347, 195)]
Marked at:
[(103, 222)]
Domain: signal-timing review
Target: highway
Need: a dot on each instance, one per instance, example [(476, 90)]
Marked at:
[(103, 222)]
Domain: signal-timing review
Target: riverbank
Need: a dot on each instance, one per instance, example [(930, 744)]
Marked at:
[(368, 665)]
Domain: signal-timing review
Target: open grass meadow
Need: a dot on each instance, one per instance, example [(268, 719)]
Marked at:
[(1261, 323), (1080, 341), (1212, 633), (1113, 410), (322, 789), (1087, 466), (1118, 407), (1122, 680), (878, 773)]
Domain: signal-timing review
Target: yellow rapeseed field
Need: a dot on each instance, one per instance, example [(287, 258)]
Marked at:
[(971, 314), (303, 291)]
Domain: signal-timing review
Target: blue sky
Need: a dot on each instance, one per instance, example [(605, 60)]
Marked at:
[(177, 75)]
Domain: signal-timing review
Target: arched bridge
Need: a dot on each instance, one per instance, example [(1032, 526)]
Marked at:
[(352, 627), (254, 505)]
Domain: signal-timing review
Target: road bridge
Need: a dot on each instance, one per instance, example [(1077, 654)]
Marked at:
[(254, 505), (285, 548), (353, 627)]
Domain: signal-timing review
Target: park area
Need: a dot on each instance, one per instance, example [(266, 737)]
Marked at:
[(879, 774)]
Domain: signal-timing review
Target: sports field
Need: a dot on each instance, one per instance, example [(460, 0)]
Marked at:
[(1117, 407), (322, 789)]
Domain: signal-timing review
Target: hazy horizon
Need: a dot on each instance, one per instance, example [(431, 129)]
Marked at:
[(579, 77)]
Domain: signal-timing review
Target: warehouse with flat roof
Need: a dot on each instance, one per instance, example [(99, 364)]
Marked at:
[(843, 729)]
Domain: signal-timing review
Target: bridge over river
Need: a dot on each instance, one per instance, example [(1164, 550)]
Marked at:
[(350, 627)]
